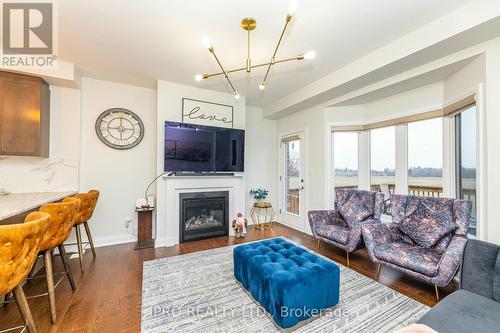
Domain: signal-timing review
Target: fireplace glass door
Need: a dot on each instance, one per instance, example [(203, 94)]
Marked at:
[(203, 215)]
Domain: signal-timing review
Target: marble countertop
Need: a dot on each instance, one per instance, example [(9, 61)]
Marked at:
[(17, 203)]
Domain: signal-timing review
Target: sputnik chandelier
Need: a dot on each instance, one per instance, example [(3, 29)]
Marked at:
[(250, 24)]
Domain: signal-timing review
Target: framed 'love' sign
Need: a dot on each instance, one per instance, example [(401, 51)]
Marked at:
[(207, 113)]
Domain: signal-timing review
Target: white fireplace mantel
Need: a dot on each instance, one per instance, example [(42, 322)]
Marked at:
[(169, 188)]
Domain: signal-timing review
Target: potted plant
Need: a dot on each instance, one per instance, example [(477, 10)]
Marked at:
[(260, 194)]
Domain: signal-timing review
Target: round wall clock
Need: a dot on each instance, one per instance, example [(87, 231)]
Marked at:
[(119, 128)]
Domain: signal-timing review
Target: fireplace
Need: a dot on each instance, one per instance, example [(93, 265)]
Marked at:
[(203, 215)]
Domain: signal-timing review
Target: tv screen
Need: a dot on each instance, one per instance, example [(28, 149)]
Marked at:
[(197, 148)]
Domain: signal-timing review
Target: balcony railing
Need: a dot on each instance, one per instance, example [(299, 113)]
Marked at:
[(292, 202)]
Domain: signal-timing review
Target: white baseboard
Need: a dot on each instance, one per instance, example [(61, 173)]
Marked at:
[(114, 240), (164, 242)]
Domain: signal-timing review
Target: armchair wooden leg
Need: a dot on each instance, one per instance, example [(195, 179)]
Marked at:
[(319, 243), (89, 236), (65, 262), (80, 247), (22, 304), (47, 258), (379, 268), (436, 289), (347, 257)]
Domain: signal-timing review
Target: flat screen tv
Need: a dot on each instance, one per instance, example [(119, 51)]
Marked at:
[(197, 148)]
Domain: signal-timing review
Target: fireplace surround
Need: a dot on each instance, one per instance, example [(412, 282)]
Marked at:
[(203, 215)]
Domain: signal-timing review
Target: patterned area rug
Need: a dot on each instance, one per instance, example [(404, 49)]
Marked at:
[(197, 292)]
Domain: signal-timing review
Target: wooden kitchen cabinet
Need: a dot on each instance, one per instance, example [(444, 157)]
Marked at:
[(24, 115)]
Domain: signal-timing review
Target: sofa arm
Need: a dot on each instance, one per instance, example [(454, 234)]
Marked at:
[(480, 268), (376, 234), (451, 260)]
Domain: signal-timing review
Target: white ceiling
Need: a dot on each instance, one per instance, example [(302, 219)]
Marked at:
[(138, 42)]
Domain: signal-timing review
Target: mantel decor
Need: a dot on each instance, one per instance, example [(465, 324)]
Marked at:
[(248, 24)]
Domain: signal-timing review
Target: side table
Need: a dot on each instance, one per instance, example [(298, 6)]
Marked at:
[(262, 210), (144, 228)]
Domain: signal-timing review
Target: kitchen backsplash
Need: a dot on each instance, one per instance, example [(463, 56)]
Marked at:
[(32, 174)]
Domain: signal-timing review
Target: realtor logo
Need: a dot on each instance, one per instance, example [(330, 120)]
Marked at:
[(28, 34)]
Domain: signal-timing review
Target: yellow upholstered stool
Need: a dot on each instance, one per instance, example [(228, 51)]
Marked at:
[(19, 246), (62, 218), (87, 206)]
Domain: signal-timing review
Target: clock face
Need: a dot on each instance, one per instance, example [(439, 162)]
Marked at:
[(119, 128)]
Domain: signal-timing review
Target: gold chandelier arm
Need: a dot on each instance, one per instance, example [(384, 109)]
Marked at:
[(223, 70), (299, 57), (272, 62), (249, 64)]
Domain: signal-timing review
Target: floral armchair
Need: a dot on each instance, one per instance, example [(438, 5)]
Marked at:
[(342, 227), (425, 239)]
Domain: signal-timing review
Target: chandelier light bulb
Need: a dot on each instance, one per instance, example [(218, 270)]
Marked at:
[(310, 55), (262, 86), (292, 7), (237, 96), (205, 41), (198, 77)]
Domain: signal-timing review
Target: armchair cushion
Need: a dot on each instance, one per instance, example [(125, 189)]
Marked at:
[(412, 257), (425, 224), (354, 210), (338, 233)]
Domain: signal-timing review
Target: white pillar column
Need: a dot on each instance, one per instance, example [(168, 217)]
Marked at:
[(401, 159), (364, 160)]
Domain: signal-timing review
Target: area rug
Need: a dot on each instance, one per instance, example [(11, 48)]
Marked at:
[(197, 292)]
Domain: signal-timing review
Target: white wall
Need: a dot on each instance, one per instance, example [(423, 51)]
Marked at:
[(261, 159), (492, 155), (423, 99), (120, 175), (464, 82)]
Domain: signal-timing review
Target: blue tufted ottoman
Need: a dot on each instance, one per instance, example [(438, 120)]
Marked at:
[(290, 282)]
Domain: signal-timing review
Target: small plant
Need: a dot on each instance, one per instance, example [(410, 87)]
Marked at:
[(259, 194)]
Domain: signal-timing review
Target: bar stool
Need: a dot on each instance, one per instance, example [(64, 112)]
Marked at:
[(88, 201), (62, 218), (19, 246)]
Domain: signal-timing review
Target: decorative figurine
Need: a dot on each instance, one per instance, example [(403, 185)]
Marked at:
[(240, 226)]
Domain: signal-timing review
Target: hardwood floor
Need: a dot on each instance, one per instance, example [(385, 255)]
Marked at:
[(108, 295)]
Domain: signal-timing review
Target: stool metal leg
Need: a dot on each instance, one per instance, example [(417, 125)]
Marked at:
[(89, 236), (347, 258), (22, 304), (80, 246), (47, 258), (65, 262), (319, 243)]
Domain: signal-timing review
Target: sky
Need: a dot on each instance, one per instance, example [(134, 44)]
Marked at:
[(425, 145)]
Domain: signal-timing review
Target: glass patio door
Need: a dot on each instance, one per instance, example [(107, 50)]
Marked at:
[(292, 182)]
